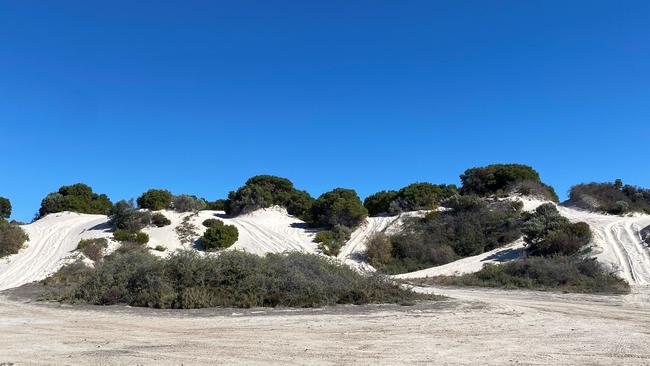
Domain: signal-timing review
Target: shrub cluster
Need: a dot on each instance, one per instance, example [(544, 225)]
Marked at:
[(470, 227), (160, 220), (379, 249), (219, 236), (233, 279), (613, 198), (338, 207), (218, 205), (5, 208), (131, 237), (330, 242), (155, 199), (125, 216), (416, 196), (93, 248), (75, 198), (188, 203), (571, 274), (548, 233), (12, 238), (264, 191), (496, 179)]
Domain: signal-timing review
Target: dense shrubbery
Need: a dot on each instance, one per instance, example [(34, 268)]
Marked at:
[(5, 208), (160, 220), (232, 279), (219, 236), (535, 189), (416, 196), (93, 248), (188, 203), (549, 233), (614, 198), (470, 227), (218, 205), (210, 222), (496, 179), (155, 199), (12, 238), (131, 237), (265, 191), (75, 198), (564, 273), (330, 242), (125, 216), (338, 207), (378, 250)]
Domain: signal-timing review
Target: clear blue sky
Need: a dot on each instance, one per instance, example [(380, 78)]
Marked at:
[(196, 96)]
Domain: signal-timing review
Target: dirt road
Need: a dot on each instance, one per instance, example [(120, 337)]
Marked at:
[(476, 327)]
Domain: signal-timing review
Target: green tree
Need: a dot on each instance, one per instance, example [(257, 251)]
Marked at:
[(155, 199), (5, 207), (338, 207), (219, 236)]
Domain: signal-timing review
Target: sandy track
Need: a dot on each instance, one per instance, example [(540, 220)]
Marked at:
[(480, 327), (51, 240)]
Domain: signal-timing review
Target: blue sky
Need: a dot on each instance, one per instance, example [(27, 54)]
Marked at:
[(196, 96)]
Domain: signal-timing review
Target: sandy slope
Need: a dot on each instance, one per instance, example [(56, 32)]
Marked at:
[(51, 241), (484, 327)]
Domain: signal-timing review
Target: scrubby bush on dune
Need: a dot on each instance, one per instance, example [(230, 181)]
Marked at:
[(188, 203), (613, 198), (379, 203), (232, 279), (219, 236), (131, 237), (496, 179), (534, 189), (210, 222), (75, 198), (416, 196), (338, 207), (93, 248), (378, 250), (264, 191), (125, 216), (471, 226), (155, 199), (160, 220), (218, 205), (549, 233), (5, 208), (12, 238), (572, 274), (330, 242)]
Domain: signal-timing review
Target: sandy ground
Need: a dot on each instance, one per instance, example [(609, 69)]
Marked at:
[(477, 326)]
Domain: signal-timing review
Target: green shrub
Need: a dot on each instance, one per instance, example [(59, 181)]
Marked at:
[(613, 198), (338, 207), (160, 248), (219, 236), (218, 205), (141, 238), (160, 220), (331, 241), (12, 238), (210, 222), (379, 203), (188, 203), (563, 273), (421, 196), (233, 279), (534, 189), (548, 233), (75, 198), (496, 179), (123, 235), (124, 216), (93, 248), (5, 208), (155, 199), (263, 191), (379, 250)]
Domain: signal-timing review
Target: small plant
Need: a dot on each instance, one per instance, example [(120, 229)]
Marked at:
[(93, 248), (160, 220), (141, 238), (128, 236), (219, 236), (160, 248), (331, 241), (210, 222)]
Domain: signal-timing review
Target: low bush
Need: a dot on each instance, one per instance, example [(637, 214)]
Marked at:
[(12, 238), (264, 191), (414, 197), (562, 273), (141, 238), (93, 248), (155, 199), (160, 220), (75, 198), (188, 203), (5, 208), (496, 179), (124, 216), (160, 248), (613, 198), (534, 189), (233, 279), (210, 222), (379, 203), (548, 233), (338, 207), (331, 241), (219, 236), (218, 205), (378, 250), (133, 237)]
